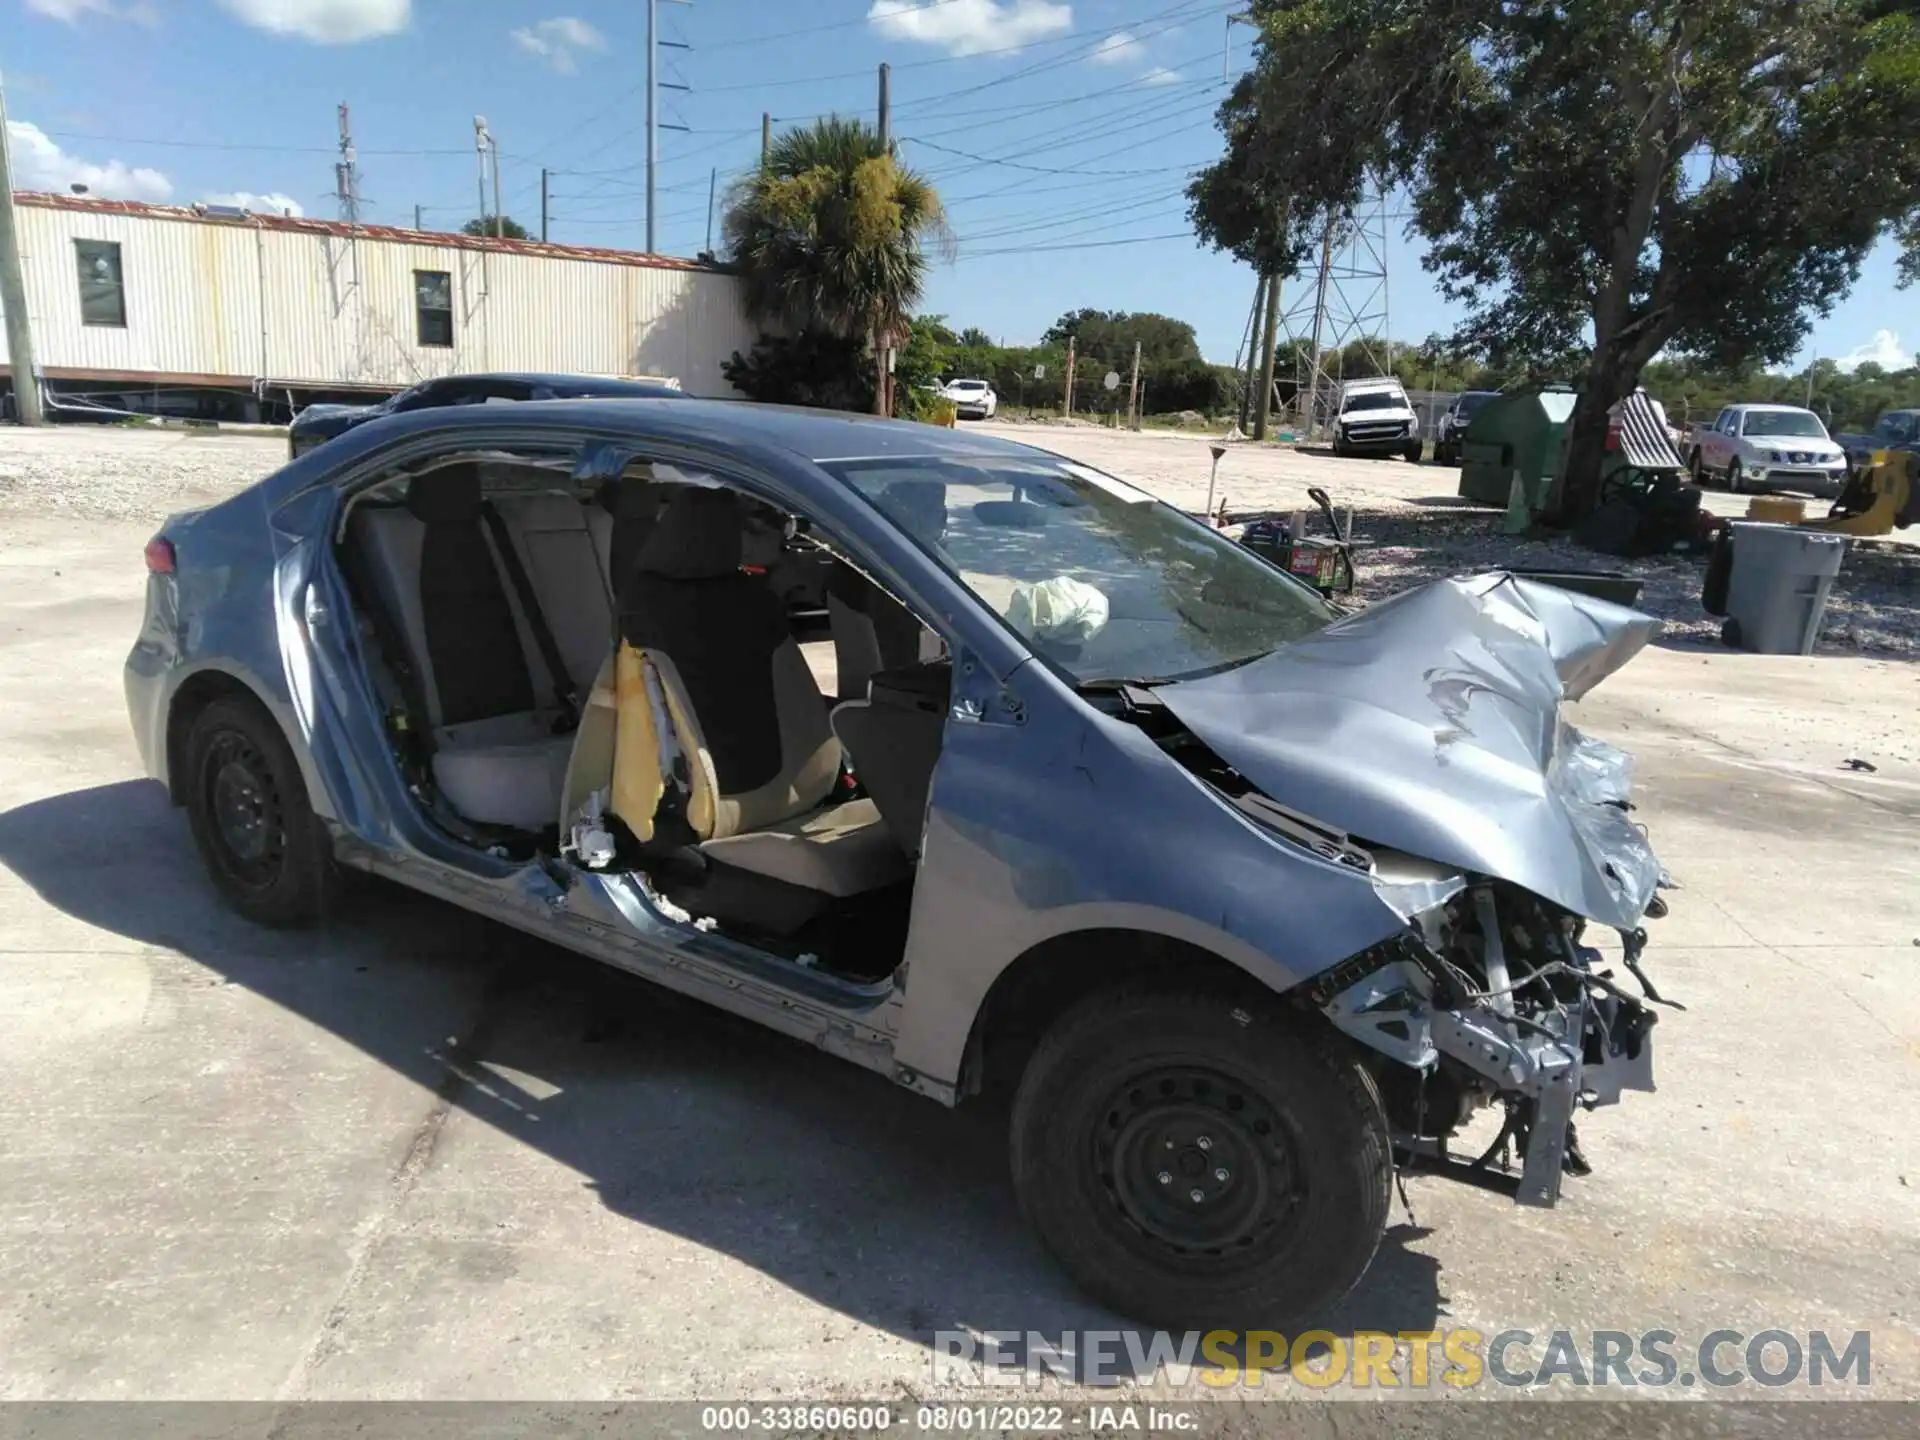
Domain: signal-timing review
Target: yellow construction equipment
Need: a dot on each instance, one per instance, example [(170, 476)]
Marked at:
[(1882, 496)]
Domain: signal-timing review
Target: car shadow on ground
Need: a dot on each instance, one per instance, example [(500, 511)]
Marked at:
[(857, 1194)]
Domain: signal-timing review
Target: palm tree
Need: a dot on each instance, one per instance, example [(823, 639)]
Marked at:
[(829, 233)]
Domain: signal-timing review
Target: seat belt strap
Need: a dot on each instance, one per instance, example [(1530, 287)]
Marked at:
[(676, 780), (563, 689), (397, 659)]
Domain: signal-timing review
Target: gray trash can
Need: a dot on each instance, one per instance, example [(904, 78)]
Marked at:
[(1778, 590)]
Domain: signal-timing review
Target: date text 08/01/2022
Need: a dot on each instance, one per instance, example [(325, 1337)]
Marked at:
[(938, 1419)]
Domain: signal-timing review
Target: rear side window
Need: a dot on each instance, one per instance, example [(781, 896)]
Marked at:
[(103, 297), (433, 306)]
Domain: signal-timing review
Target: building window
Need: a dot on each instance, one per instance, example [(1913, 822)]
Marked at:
[(433, 306), (103, 299)]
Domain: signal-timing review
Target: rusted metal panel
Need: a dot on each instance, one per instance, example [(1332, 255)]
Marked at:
[(306, 304), (191, 293)]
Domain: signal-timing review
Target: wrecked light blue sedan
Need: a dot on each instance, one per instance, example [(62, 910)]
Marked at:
[(962, 761)]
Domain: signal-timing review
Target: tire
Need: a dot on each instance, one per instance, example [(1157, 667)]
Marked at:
[(1413, 453), (1129, 1078), (265, 850), (1732, 478), (1697, 471)]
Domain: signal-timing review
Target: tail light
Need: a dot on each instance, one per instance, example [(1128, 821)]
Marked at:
[(160, 556), (1613, 435)]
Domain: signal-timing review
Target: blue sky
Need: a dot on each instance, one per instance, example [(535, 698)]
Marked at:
[(1058, 131)]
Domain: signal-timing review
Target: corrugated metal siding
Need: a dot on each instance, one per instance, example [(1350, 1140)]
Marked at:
[(341, 309), (192, 294)]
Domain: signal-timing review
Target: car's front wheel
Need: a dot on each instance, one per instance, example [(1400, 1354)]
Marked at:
[(264, 848), (1734, 480), (1199, 1159)]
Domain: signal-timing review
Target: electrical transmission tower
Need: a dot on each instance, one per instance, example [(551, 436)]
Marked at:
[(1336, 304)]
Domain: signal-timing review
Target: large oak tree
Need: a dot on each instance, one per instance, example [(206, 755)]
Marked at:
[(1599, 181)]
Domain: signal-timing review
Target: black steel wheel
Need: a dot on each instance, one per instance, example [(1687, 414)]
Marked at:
[(247, 804), (1198, 1160)]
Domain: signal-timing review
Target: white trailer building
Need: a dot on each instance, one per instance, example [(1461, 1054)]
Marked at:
[(269, 312)]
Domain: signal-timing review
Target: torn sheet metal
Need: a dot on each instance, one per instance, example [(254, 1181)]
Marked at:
[(1431, 723)]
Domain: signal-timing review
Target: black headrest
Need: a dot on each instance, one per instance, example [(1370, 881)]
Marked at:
[(447, 496), (697, 537), (917, 506), (630, 499)]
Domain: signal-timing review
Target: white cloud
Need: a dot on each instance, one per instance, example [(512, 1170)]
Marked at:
[(1883, 350), (559, 41), (71, 10), (1119, 48), (1160, 75), (967, 27), (271, 203), (40, 164), (325, 22)]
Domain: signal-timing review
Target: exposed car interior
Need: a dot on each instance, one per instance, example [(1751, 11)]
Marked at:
[(627, 674)]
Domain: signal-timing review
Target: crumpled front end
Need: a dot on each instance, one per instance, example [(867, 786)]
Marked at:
[(1428, 729), (1492, 999)]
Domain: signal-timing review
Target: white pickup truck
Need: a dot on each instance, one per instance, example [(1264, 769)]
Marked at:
[(1767, 447)]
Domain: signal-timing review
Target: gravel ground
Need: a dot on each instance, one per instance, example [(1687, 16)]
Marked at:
[(101, 472), (1408, 522), (1411, 527)]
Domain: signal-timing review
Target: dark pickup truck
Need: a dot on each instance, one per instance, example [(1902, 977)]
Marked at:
[(1895, 430)]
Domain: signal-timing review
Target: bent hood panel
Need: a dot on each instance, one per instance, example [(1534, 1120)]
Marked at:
[(1431, 723)]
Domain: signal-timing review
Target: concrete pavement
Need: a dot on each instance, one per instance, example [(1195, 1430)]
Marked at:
[(414, 1155)]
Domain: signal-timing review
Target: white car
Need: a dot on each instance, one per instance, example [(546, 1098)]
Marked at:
[(1767, 447), (1376, 418), (973, 399)]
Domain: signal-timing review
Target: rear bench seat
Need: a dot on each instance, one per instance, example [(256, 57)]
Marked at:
[(500, 739)]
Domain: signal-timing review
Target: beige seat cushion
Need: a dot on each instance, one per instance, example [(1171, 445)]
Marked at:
[(840, 850)]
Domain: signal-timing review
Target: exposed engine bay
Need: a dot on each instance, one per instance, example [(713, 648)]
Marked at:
[(1430, 753)]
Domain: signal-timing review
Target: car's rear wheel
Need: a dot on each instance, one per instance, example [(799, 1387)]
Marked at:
[(1200, 1160), (264, 848), (1697, 469)]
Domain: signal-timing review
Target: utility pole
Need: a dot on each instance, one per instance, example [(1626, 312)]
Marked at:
[(1133, 391), (713, 179), (499, 220), (1069, 410), (886, 109), (480, 160), (543, 204), (1264, 401), (1253, 353), (416, 218), (346, 173), (766, 135), (13, 294), (653, 113)]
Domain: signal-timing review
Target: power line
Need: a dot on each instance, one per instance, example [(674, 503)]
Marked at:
[(817, 29), (1175, 17), (1088, 45), (222, 145), (1076, 245), (1019, 165), (1011, 113)]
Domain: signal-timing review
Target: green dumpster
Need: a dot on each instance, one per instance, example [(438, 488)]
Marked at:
[(1521, 435)]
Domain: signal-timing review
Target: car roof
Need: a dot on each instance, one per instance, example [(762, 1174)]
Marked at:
[(609, 384), (812, 435)]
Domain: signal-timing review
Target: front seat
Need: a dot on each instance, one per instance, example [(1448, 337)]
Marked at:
[(760, 758)]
